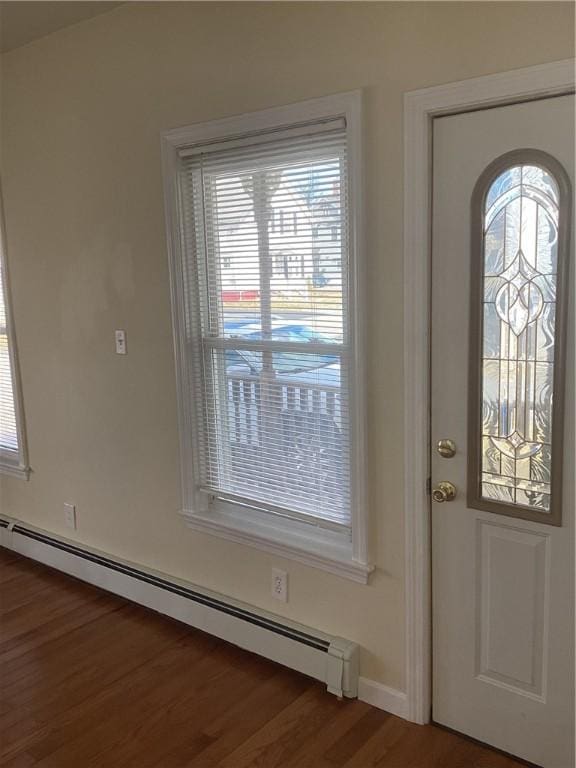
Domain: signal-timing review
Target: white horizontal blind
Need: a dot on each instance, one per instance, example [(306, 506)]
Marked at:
[(9, 444), (266, 243)]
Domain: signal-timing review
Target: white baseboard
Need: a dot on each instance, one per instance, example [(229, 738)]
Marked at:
[(381, 696)]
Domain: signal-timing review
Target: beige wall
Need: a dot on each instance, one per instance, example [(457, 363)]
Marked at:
[(82, 111)]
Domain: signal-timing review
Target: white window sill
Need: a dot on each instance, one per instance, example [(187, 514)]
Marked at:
[(317, 547), (14, 470)]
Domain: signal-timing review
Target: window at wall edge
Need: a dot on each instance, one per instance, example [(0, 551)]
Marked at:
[(13, 449)]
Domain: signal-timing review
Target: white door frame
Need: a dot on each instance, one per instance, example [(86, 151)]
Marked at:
[(420, 107)]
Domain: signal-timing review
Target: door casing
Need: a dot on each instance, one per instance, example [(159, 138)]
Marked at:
[(420, 109)]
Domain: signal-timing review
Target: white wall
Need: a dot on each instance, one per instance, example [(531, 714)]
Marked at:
[(82, 111)]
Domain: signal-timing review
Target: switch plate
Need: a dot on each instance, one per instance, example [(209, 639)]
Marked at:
[(280, 585), (70, 516), (120, 337)]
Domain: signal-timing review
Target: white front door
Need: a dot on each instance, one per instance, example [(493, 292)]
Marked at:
[(503, 548)]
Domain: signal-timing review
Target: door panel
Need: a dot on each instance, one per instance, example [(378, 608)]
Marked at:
[(503, 597), (511, 619)]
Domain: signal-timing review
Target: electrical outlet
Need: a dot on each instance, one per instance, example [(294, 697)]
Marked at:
[(70, 516), (280, 585)]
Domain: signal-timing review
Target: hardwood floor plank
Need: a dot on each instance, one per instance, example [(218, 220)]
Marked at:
[(356, 737), (22, 760), (20, 620), (17, 567), (24, 595), (88, 680), (7, 556), (203, 706), (423, 749), (55, 627), (372, 752), (245, 717), (35, 699), (314, 752), (118, 712), (274, 744)]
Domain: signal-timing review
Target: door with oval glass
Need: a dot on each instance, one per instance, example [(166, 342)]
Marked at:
[(502, 427)]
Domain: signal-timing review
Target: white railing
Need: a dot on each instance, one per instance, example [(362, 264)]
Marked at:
[(311, 403), (287, 438)]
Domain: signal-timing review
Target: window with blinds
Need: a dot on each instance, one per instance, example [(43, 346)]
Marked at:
[(265, 244), (11, 447)]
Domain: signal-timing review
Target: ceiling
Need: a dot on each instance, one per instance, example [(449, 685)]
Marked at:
[(21, 22)]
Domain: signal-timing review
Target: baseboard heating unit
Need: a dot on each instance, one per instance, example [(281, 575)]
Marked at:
[(329, 659)]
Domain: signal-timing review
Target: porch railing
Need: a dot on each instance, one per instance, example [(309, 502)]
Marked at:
[(292, 431)]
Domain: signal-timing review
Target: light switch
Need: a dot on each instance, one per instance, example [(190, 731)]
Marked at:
[(120, 342)]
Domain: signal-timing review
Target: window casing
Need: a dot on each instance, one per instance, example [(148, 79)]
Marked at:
[(13, 451), (268, 338)]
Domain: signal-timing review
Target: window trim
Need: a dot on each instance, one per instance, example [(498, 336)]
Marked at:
[(475, 500), (344, 554), (10, 463)]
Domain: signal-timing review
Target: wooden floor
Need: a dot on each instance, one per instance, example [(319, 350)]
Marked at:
[(88, 679)]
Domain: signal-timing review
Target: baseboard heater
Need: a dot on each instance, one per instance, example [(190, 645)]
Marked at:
[(329, 659)]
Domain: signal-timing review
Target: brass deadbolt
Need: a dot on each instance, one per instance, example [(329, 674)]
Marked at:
[(446, 448)]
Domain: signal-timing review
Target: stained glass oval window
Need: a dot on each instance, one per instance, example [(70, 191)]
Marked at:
[(516, 341)]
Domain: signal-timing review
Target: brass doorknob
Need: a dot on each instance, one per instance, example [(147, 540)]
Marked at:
[(444, 491)]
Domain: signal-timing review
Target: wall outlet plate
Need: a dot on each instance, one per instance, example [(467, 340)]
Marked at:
[(70, 516), (280, 585)]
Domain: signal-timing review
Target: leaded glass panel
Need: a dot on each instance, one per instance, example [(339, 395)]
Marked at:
[(519, 280)]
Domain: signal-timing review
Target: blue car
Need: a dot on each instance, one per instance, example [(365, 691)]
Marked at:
[(290, 367)]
